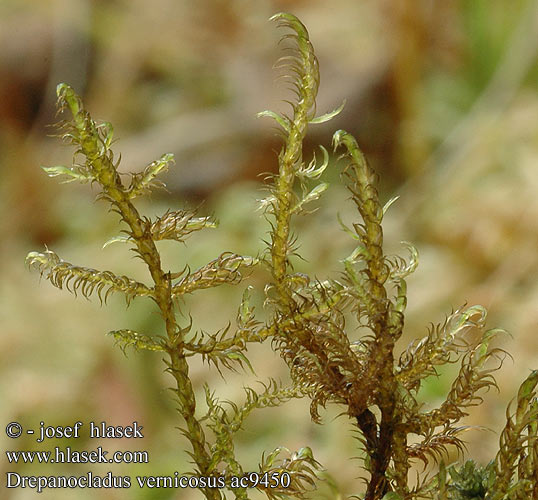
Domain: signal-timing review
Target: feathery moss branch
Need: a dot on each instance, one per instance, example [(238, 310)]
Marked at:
[(329, 361)]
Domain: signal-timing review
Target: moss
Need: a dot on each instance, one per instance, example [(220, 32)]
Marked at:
[(304, 320)]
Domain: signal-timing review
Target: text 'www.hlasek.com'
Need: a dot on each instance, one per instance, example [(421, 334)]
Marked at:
[(100, 432)]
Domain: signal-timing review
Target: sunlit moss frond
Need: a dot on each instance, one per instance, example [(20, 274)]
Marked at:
[(360, 180), (173, 225), (399, 267), (246, 320), (321, 359), (74, 173), (357, 288), (474, 376), (303, 64), (300, 469), (129, 338), (435, 444), (445, 343), (366, 272), (83, 279), (309, 196), (528, 463), (230, 347), (208, 345), (228, 358), (142, 183), (283, 202), (314, 169), (518, 445), (221, 349), (93, 140), (177, 225), (218, 420), (227, 268), (305, 322), (272, 394), (397, 309)]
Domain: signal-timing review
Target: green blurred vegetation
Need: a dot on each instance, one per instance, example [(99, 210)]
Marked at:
[(443, 99)]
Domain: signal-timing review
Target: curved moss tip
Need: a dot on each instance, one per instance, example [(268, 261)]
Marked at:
[(62, 88), (280, 15), (66, 95), (338, 137), (65, 92), (293, 22)]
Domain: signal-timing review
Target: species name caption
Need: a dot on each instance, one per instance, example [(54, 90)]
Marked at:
[(102, 430)]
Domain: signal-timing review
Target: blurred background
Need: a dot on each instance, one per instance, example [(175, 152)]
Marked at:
[(443, 99)]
